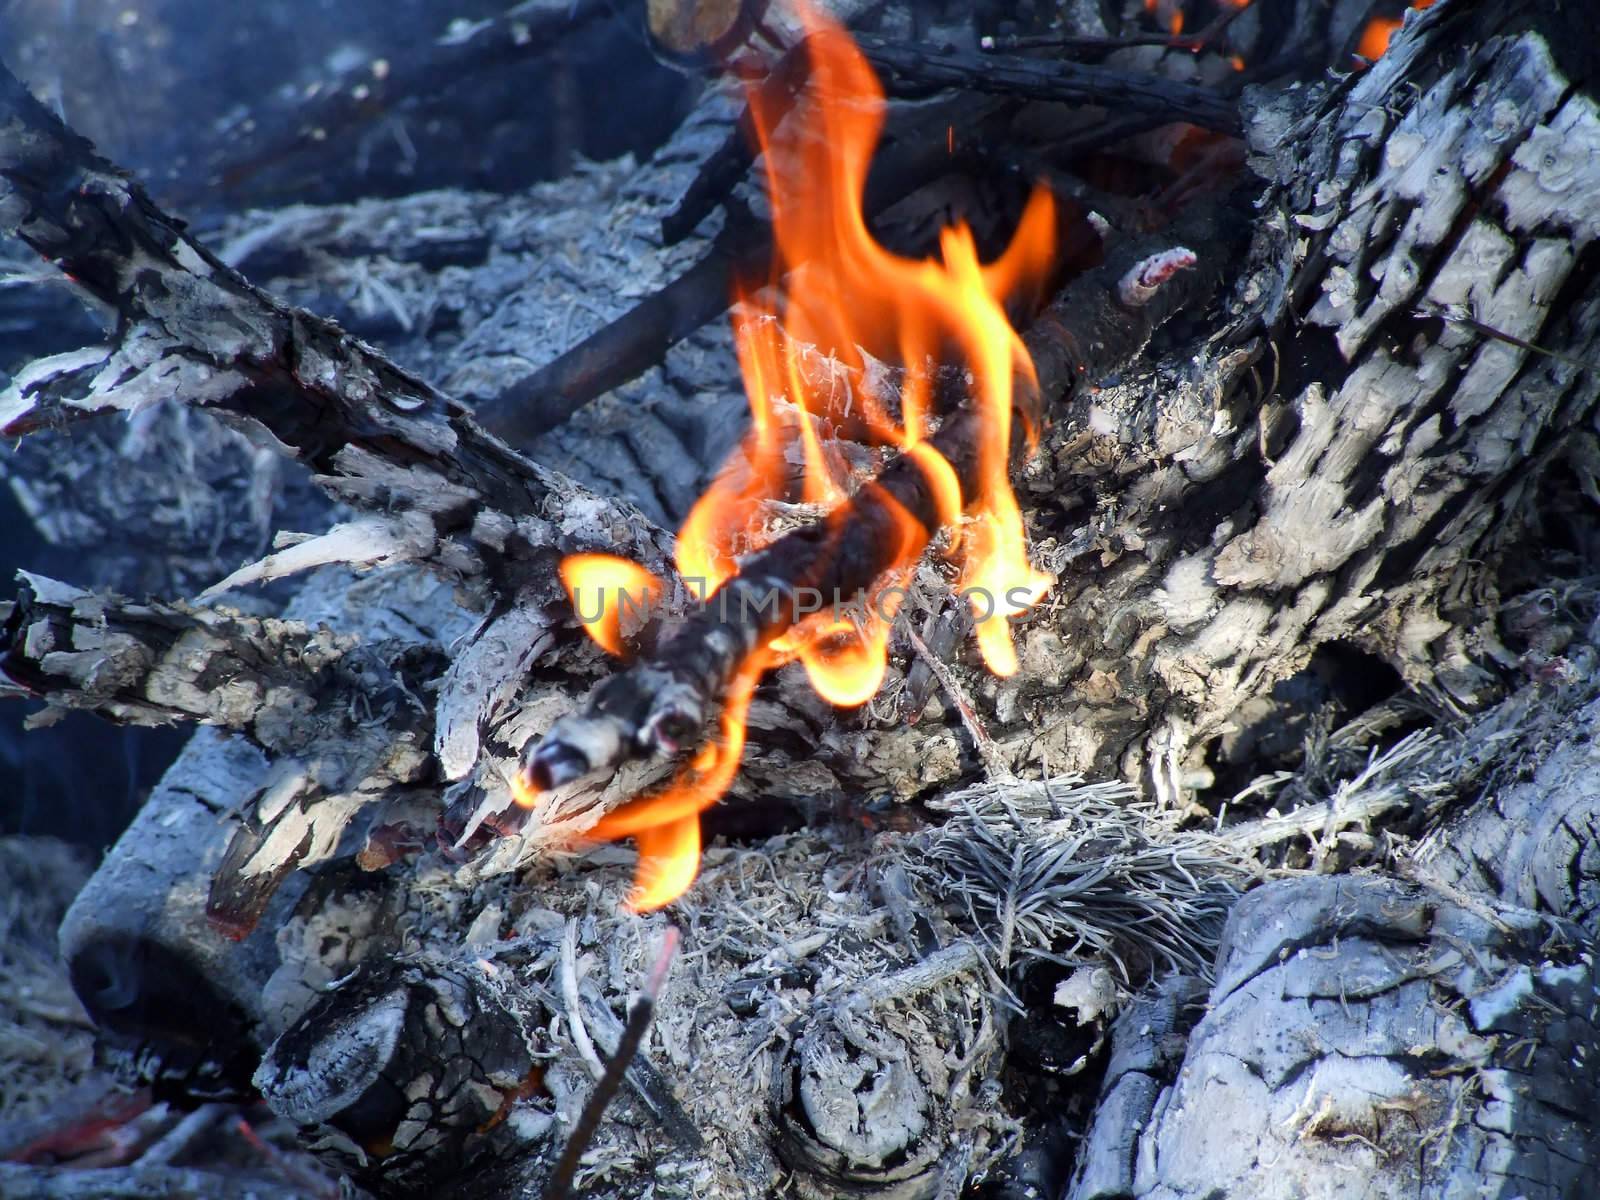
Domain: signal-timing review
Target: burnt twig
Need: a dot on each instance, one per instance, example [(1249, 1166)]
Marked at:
[(726, 165), (626, 347), (610, 1082)]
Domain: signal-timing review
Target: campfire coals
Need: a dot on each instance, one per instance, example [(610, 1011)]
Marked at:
[(415, 1073)]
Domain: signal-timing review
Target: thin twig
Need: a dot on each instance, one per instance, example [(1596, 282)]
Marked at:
[(606, 1089), (994, 763)]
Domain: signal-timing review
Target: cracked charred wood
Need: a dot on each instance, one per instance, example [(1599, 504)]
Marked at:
[(725, 166), (1364, 1036), (337, 717), (282, 683), (860, 1105), (171, 910), (417, 1072), (1536, 843), (654, 707)]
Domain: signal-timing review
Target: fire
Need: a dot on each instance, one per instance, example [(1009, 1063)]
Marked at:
[(834, 290), (666, 825), (1374, 42), (604, 589)]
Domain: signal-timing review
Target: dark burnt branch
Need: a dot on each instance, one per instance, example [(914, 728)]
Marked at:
[(727, 164), (628, 346), (340, 720), (158, 664), (654, 707), (189, 326), (910, 70)]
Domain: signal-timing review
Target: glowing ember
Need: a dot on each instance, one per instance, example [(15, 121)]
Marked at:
[(834, 290)]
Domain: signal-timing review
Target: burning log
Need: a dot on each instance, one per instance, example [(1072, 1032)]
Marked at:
[(1319, 491), (625, 348), (1095, 326)]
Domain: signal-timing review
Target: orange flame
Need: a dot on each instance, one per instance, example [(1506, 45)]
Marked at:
[(666, 824), (1375, 36), (835, 291), (605, 589)]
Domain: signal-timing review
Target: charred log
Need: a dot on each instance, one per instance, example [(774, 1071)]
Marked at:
[(381, 437), (1350, 1037)]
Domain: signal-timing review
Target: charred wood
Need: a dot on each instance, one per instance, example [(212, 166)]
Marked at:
[(522, 35), (630, 345), (725, 166), (448, 493), (1363, 1030), (911, 70)]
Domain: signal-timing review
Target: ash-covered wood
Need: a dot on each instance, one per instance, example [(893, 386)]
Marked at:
[(1283, 542), (382, 438), (416, 1072), (1362, 1033)]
